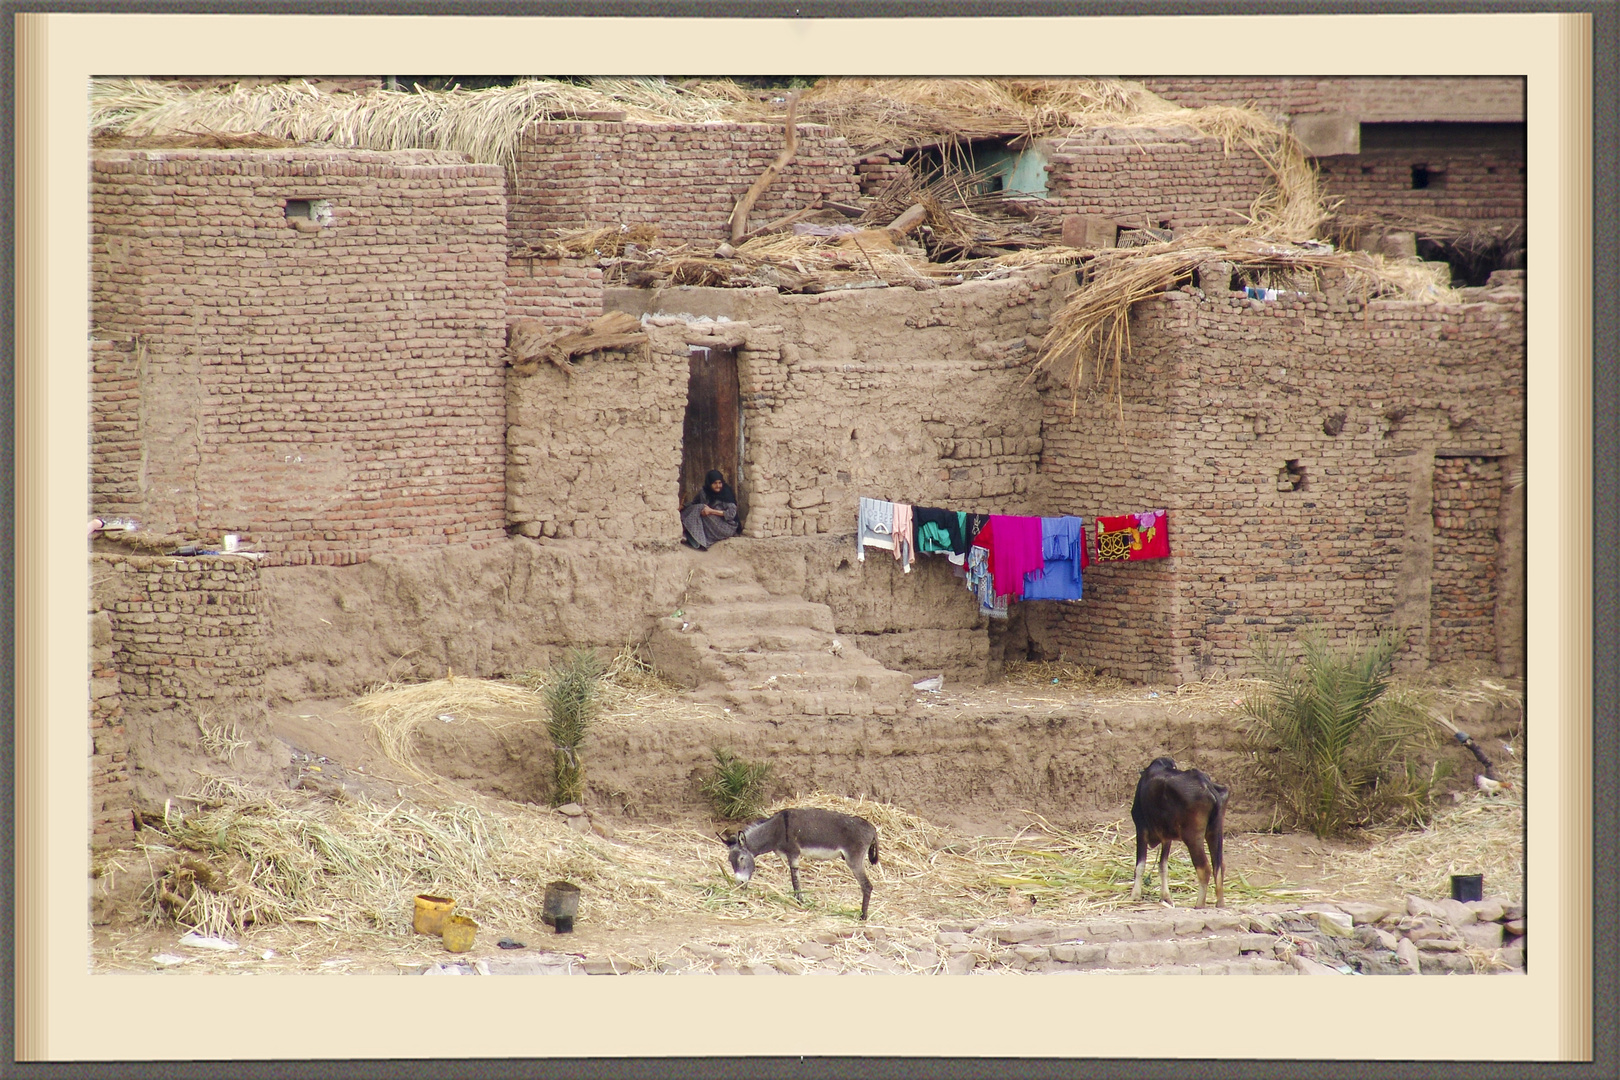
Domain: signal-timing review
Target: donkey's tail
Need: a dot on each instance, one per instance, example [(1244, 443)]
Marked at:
[(871, 852)]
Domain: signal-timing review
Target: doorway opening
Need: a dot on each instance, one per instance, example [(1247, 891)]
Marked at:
[(712, 434)]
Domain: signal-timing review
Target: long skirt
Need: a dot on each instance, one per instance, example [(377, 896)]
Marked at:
[(703, 531)]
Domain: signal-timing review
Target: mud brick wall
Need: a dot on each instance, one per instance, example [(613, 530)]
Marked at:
[(1370, 99), (684, 179), (595, 451), (112, 822), (323, 393), (1467, 512), (1302, 440), (183, 630), (1148, 176), (878, 171), (1460, 185), (916, 397)]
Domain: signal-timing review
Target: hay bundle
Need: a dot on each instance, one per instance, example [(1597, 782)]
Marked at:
[(529, 342)]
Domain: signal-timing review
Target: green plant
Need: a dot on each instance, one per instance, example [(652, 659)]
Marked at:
[(1340, 748), (736, 787), (571, 702)]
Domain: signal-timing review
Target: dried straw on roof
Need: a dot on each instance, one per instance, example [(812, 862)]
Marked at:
[(872, 114)]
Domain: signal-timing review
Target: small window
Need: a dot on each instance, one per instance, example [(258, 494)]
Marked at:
[(1292, 476), (1425, 178), (317, 211)]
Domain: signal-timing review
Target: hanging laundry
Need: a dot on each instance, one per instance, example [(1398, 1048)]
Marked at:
[(1014, 545), (1133, 536), (980, 583), (1063, 547), (875, 526), (938, 531), (905, 548), (972, 526)]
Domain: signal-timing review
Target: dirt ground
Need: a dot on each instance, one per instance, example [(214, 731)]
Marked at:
[(334, 753)]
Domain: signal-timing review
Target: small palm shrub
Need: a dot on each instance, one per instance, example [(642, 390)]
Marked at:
[(1339, 747), (571, 704), (736, 787)]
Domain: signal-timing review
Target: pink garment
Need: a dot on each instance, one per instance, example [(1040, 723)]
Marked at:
[(1015, 550), (905, 548)]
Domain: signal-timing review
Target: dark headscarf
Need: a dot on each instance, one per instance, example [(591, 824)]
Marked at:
[(725, 496)]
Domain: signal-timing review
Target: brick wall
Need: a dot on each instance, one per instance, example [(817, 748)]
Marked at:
[(1243, 389), (183, 630), (595, 451), (1467, 512), (111, 813), (1488, 99), (683, 178), (1146, 176), (178, 688), (1460, 185), (324, 394)]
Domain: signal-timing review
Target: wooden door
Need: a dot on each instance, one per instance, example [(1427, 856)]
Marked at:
[(712, 435)]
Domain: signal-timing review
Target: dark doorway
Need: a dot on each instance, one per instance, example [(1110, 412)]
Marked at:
[(712, 435)]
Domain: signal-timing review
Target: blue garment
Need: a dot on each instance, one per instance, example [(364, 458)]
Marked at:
[(1062, 541), (979, 583)]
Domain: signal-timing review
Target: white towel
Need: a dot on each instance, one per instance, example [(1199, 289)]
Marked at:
[(875, 526)]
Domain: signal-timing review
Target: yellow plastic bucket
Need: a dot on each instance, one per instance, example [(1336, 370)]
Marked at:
[(430, 914), (459, 932)]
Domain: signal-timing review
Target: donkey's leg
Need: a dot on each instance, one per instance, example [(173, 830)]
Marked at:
[(1192, 836), (1141, 864), (793, 872), (854, 860), (1164, 872)]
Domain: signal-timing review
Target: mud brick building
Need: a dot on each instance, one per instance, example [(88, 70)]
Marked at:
[(306, 348)]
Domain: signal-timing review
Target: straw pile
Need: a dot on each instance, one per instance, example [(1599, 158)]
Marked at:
[(631, 693)]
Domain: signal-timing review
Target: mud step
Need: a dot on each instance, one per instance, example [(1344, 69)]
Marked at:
[(727, 622)]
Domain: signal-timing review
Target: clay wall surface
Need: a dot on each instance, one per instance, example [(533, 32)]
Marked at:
[(1370, 99), (1472, 186), (1146, 176), (685, 179), (332, 632), (594, 451), (1369, 404), (322, 393)]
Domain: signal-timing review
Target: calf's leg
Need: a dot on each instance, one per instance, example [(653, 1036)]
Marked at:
[(1141, 864), (1164, 873), (1195, 848)]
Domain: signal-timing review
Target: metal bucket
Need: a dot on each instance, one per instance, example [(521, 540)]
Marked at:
[(1466, 887), (560, 906)]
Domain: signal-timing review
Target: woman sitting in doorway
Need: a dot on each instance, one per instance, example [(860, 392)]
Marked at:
[(712, 517)]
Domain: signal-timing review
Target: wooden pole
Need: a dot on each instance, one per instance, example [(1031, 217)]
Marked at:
[(739, 215)]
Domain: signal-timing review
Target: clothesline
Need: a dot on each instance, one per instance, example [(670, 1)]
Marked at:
[(1007, 557)]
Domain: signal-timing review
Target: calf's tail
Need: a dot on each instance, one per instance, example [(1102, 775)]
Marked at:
[(871, 852)]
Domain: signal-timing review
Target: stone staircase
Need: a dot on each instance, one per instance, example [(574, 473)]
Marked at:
[(740, 645)]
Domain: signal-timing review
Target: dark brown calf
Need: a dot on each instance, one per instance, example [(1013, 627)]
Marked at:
[(1172, 804)]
